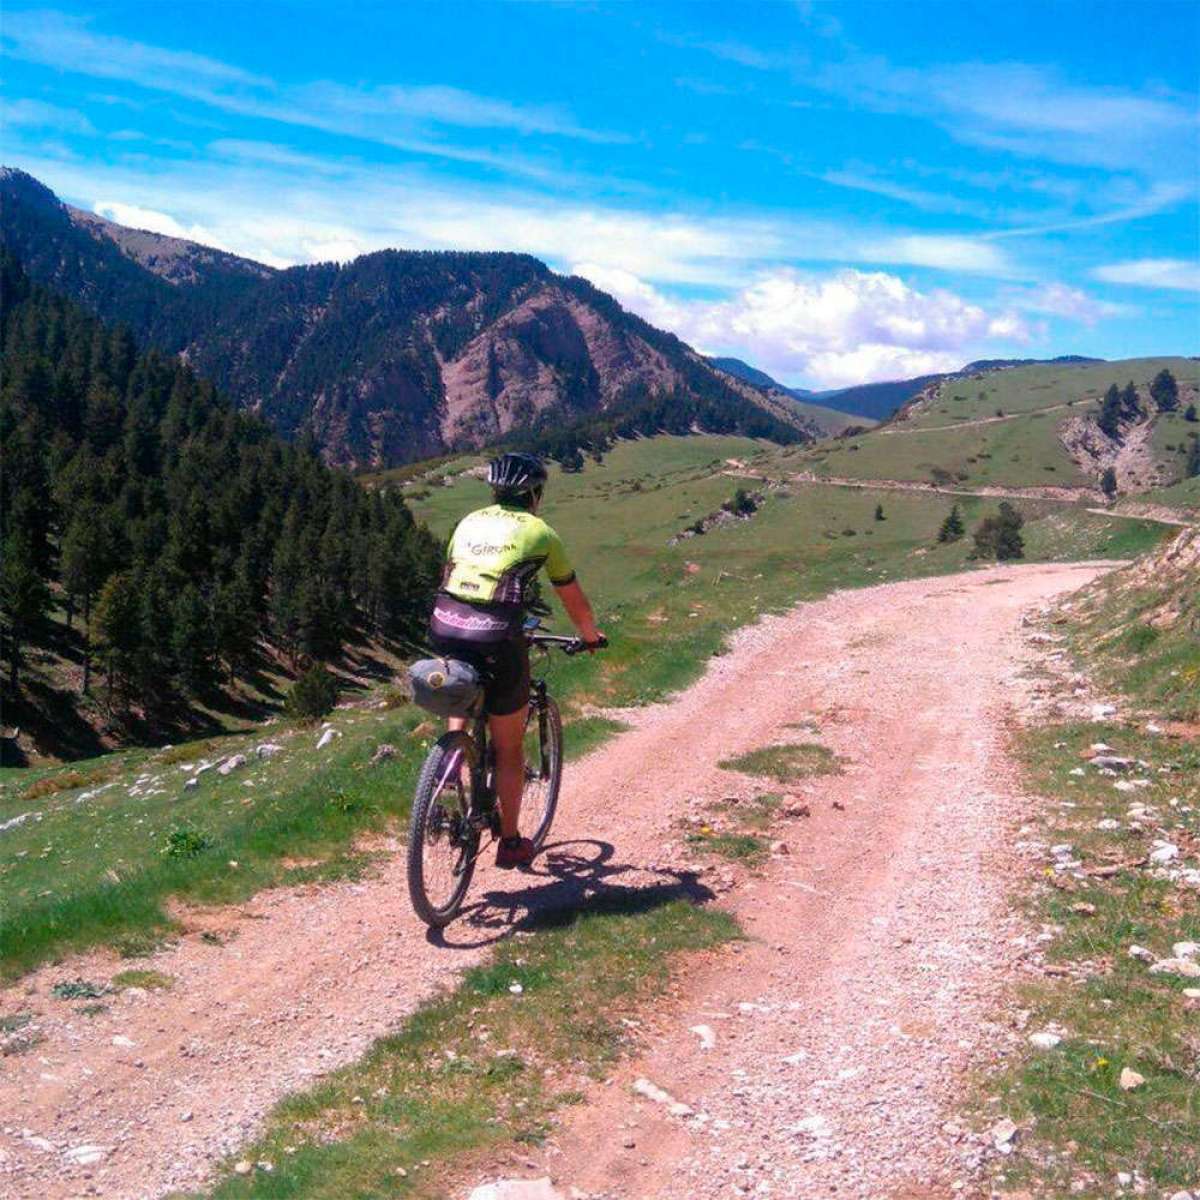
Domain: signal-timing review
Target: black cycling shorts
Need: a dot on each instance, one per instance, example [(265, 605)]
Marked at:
[(503, 665)]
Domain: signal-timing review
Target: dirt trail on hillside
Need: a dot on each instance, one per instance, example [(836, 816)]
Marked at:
[(1016, 416), (878, 941)]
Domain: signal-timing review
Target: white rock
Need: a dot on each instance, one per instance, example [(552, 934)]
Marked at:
[(515, 988), (86, 1156), (1114, 762), (1192, 993), (652, 1091), (326, 738), (1185, 949), (517, 1189), (1163, 853), (814, 1127), (1004, 1133), (243, 1167), (123, 1041), (1153, 727), (1130, 1079), (231, 764), (1186, 967), (1108, 823), (708, 1039), (1044, 1040), (39, 1143), (191, 783), (1182, 1196), (1077, 771), (1140, 953), (1100, 711), (267, 749)]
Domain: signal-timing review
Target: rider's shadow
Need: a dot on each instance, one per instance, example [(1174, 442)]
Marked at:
[(565, 878)]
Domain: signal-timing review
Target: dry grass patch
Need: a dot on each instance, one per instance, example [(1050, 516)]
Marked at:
[(786, 763)]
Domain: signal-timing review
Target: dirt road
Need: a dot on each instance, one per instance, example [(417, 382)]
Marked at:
[(840, 1033)]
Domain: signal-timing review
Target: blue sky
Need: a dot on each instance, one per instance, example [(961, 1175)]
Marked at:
[(835, 192)]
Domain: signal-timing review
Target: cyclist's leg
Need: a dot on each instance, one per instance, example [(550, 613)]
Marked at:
[(507, 695), (508, 742)]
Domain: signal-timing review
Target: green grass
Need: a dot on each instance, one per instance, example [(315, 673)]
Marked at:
[(1139, 632), (748, 848), (1115, 1014), (98, 866), (152, 981), (937, 445), (786, 763), (485, 1068)]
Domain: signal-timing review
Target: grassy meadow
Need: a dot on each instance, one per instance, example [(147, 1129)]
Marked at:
[(936, 444)]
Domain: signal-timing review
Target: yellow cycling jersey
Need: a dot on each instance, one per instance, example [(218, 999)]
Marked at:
[(495, 552)]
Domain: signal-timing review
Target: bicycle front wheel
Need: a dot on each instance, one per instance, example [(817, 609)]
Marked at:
[(543, 768), (442, 842)]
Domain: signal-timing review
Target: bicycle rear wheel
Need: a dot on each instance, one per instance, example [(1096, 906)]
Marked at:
[(543, 768), (442, 842)]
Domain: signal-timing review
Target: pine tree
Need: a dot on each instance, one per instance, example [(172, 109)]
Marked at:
[(1190, 414), (118, 628), (952, 527), (192, 639), (1164, 391), (1110, 412), (1193, 459), (879, 513), (24, 598), (84, 567), (1131, 407), (236, 621), (1108, 482)]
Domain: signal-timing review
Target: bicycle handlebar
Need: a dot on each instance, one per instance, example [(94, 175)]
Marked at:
[(568, 645)]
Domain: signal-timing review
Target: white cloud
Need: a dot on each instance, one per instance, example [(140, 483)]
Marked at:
[(1174, 273), (155, 222), (946, 252), (848, 327), (1061, 300), (37, 114), (398, 116)]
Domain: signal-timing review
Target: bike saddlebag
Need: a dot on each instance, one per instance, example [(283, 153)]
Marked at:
[(445, 686)]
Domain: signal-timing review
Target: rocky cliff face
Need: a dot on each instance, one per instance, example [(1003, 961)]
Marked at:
[(394, 356)]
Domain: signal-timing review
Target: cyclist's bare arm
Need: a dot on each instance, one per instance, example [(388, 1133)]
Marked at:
[(579, 610)]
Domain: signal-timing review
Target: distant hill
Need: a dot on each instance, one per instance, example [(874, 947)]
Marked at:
[(397, 355), (878, 401), (1035, 428), (829, 419)]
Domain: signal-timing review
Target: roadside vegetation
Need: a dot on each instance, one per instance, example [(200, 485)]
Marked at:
[(1104, 1089)]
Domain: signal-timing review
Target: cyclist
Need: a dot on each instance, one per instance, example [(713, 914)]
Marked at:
[(493, 557)]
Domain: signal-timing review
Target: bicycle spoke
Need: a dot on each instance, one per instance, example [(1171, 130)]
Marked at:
[(447, 840)]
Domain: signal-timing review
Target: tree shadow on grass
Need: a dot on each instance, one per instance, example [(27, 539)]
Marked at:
[(567, 878)]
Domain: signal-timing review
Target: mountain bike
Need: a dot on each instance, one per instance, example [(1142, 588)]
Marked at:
[(455, 804)]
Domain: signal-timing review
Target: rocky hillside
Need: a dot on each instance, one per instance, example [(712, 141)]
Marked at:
[(1140, 628), (397, 355)]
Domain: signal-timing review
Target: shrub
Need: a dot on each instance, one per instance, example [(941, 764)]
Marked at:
[(313, 695), (186, 843), (999, 537)]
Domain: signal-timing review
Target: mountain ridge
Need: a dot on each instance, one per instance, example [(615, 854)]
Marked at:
[(397, 355)]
